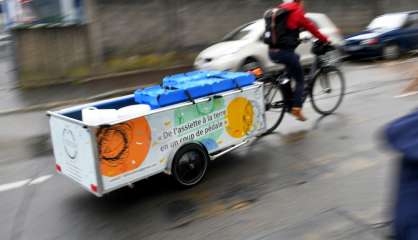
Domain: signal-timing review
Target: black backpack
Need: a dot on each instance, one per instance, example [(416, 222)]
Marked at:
[(276, 27)]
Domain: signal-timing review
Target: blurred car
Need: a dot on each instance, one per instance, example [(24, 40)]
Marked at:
[(387, 36), (244, 47)]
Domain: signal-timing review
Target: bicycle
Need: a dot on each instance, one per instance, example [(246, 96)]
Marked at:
[(319, 87)]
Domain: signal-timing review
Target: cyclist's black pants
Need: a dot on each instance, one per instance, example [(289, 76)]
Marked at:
[(293, 67)]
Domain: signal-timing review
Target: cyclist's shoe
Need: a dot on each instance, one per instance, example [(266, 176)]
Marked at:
[(297, 113)]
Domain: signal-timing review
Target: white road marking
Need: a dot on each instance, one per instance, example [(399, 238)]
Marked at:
[(407, 94), (40, 179), (10, 186), (18, 184)]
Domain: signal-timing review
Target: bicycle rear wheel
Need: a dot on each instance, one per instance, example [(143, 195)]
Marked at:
[(274, 105), (328, 91)]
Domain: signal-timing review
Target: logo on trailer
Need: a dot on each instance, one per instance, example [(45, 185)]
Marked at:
[(70, 144), (123, 147)]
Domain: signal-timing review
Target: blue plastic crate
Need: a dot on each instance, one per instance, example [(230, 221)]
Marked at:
[(217, 84), (157, 96), (188, 86), (204, 73), (189, 77), (196, 89), (221, 85), (229, 81), (242, 79)]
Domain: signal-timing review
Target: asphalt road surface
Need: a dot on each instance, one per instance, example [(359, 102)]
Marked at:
[(328, 178)]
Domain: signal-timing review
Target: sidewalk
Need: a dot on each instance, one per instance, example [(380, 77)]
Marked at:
[(15, 100)]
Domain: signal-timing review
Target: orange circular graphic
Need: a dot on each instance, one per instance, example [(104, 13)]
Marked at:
[(240, 117), (123, 147)]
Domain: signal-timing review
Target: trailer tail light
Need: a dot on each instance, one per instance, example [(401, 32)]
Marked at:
[(58, 168), (93, 188)]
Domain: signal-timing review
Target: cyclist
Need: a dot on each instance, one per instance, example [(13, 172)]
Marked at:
[(285, 53)]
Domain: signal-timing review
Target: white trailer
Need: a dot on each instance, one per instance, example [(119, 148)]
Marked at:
[(178, 140)]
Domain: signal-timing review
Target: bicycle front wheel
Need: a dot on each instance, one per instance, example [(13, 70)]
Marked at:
[(275, 106), (328, 91)]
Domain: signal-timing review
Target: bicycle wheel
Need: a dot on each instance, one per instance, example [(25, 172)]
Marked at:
[(328, 91), (274, 105)]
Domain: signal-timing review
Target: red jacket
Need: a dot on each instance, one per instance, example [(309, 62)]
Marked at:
[(297, 20)]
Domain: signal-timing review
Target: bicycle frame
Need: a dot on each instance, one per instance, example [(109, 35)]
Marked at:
[(279, 82), (315, 70), (318, 66)]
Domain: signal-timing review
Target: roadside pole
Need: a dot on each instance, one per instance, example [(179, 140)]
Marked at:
[(94, 34)]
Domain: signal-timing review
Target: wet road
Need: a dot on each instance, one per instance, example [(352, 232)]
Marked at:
[(328, 178)]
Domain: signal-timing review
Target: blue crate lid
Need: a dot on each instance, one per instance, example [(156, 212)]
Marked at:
[(196, 83), (190, 76), (196, 89), (204, 73), (157, 96), (151, 91), (243, 79)]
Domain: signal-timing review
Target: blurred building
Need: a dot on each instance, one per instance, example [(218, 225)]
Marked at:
[(64, 40)]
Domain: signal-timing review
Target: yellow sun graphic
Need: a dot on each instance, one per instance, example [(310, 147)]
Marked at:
[(240, 117)]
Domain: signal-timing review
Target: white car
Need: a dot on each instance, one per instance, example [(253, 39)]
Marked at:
[(244, 46)]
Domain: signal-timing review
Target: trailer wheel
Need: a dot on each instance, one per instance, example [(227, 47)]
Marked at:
[(189, 165)]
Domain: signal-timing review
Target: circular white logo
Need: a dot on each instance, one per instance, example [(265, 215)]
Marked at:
[(70, 144)]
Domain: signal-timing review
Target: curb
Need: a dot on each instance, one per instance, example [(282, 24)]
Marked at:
[(51, 105), (130, 73), (371, 65), (123, 91)]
